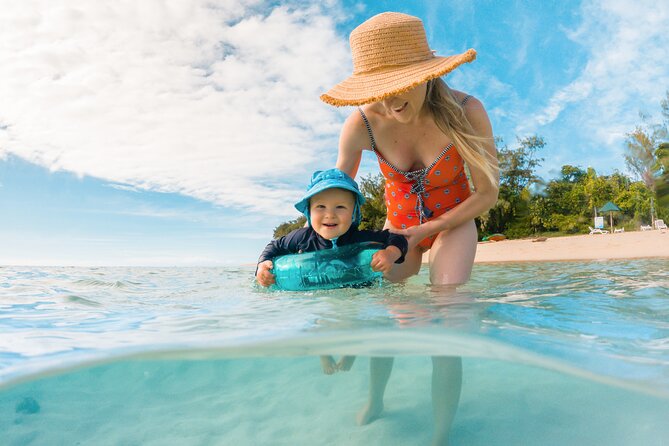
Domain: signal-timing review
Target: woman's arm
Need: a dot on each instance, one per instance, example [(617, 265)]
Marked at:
[(352, 140), (485, 194)]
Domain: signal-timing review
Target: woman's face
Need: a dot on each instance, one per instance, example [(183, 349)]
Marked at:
[(406, 107)]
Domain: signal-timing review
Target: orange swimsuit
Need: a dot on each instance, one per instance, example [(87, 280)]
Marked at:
[(422, 195)]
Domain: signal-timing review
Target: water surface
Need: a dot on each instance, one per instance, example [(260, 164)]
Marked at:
[(554, 353)]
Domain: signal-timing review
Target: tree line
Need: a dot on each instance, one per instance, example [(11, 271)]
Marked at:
[(528, 205)]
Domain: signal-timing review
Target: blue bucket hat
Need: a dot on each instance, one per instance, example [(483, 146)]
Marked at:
[(328, 179)]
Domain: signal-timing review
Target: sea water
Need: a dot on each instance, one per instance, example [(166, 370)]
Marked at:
[(553, 354)]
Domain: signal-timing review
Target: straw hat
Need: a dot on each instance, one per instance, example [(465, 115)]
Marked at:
[(390, 56)]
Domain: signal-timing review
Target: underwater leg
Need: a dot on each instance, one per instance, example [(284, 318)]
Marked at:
[(379, 373), (446, 387), (451, 261), (328, 364), (345, 363)]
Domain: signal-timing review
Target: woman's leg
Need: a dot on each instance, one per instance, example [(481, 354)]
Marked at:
[(380, 368), (451, 262), (379, 373), (446, 386), (452, 255)]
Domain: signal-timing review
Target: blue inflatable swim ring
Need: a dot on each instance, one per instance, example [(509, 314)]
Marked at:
[(338, 267)]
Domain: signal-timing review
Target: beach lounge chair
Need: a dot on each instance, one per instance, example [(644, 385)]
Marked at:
[(646, 228), (597, 230), (616, 231), (659, 224)]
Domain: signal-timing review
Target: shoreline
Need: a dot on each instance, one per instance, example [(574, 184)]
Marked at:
[(584, 247)]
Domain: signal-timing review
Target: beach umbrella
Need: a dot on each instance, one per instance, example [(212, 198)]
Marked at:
[(610, 208)]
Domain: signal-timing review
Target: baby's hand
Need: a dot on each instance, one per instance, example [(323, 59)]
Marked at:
[(383, 260), (263, 276)]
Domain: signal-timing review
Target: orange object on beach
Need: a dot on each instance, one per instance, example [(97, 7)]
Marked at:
[(494, 238)]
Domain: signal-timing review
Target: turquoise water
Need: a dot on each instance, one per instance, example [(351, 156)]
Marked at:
[(553, 354)]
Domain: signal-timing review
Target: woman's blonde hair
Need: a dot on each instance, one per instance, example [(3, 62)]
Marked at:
[(450, 118)]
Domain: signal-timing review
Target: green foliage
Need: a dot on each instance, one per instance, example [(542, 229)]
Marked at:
[(662, 159), (289, 226), (642, 145), (568, 224), (662, 177), (374, 210), (572, 174), (568, 203), (527, 206), (647, 155), (517, 176), (517, 165)]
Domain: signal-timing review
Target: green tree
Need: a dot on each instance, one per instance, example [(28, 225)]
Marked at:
[(642, 145), (563, 202), (374, 209), (662, 157), (517, 165), (647, 155), (597, 190), (662, 177), (635, 203), (572, 174), (517, 175), (289, 226)]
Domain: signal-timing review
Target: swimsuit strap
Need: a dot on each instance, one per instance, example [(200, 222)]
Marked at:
[(408, 174), (369, 128), (373, 141)]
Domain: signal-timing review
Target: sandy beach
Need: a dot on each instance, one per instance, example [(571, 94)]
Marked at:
[(626, 245)]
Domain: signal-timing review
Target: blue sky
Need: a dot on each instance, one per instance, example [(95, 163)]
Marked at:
[(180, 133)]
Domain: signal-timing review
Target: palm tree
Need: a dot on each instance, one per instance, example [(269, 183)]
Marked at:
[(641, 158), (662, 169)]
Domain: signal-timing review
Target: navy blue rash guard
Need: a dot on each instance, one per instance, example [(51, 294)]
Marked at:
[(308, 240)]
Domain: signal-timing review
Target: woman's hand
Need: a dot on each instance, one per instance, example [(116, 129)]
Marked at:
[(263, 276), (414, 234), (384, 259)]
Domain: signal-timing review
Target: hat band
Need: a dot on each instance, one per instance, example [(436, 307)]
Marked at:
[(390, 67)]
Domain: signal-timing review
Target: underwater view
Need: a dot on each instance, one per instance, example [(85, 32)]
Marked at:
[(553, 353)]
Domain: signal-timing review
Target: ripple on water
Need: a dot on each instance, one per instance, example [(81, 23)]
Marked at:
[(604, 318)]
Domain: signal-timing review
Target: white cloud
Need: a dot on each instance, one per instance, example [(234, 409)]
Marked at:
[(216, 100), (123, 187), (627, 70), (577, 91)]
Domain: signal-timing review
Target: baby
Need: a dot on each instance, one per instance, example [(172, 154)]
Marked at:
[(332, 207)]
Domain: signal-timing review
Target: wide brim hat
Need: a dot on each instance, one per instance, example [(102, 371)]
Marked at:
[(331, 179), (390, 56)]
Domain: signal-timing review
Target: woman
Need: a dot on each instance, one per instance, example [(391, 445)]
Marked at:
[(423, 134)]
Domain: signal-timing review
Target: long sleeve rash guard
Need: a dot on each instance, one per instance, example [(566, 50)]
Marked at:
[(308, 240)]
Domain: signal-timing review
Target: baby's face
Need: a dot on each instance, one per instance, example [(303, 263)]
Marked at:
[(332, 212)]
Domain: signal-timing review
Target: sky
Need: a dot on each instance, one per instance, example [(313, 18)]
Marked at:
[(180, 133)]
